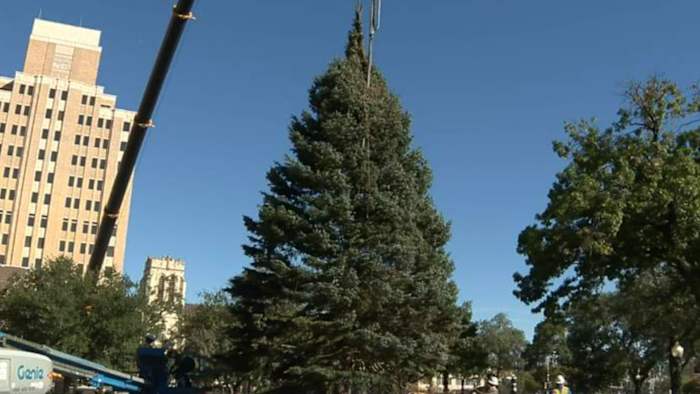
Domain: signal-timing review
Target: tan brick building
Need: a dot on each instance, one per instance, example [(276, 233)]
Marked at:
[(61, 139)]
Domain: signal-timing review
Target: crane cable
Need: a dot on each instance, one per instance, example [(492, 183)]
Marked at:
[(375, 19)]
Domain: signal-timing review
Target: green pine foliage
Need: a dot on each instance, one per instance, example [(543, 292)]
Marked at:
[(349, 286)]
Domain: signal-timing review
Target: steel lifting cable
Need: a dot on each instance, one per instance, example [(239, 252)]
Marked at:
[(375, 19)]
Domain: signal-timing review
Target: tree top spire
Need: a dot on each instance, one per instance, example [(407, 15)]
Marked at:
[(355, 45)]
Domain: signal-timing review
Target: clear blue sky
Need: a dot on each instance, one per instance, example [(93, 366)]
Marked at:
[(489, 84)]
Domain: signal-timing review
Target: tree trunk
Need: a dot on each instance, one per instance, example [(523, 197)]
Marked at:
[(462, 391), (445, 382)]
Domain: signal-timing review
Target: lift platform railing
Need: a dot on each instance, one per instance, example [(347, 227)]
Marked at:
[(68, 365)]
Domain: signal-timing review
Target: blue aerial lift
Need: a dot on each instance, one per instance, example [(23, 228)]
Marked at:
[(27, 367)]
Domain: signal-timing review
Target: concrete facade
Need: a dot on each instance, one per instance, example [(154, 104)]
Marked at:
[(61, 140), (164, 280)]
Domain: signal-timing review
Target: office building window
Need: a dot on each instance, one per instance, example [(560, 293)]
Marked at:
[(30, 90), (42, 154), (5, 239), (88, 121), (3, 194), (92, 100), (19, 152), (108, 123), (105, 143), (74, 160), (49, 113), (27, 241), (52, 93), (35, 197), (8, 217), (21, 89), (86, 227), (40, 243), (100, 123), (37, 263), (98, 141), (57, 136), (2, 259), (14, 129), (2, 127), (11, 195), (74, 226), (47, 199), (84, 100), (25, 262), (15, 173), (54, 156), (88, 205), (61, 115), (64, 226), (91, 184), (79, 182), (76, 203), (18, 109), (77, 139), (10, 150), (110, 251), (64, 95), (71, 247), (127, 126), (37, 176), (30, 220), (97, 206), (45, 133), (122, 146), (103, 164), (44, 221), (71, 181), (68, 202), (83, 248), (94, 162), (49, 178), (26, 111), (94, 228), (86, 141), (62, 246), (82, 161)]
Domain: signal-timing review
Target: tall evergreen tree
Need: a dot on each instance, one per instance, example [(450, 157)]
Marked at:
[(349, 286)]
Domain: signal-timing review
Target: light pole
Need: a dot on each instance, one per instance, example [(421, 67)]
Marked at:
[(677, 352)]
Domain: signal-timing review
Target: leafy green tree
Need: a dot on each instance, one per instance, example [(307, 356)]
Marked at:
[(626, 202), (549, 350), (59, 307), (503, 343), (349, 285), (203, 330), (467, 355)]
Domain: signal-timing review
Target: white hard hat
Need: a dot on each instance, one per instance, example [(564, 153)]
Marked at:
[(493, 381), (560, 379)]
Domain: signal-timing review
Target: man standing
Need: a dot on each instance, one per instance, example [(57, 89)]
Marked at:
[(561, 388), (491, 386)]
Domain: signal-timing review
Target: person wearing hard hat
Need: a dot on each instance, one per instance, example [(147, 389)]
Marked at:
[(561, 387), (491, 386)]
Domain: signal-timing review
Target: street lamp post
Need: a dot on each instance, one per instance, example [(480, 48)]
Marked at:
[(676, 360)]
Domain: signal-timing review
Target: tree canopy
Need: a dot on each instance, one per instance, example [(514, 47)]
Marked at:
[(627, 202), (349, 284), (56, 305)]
